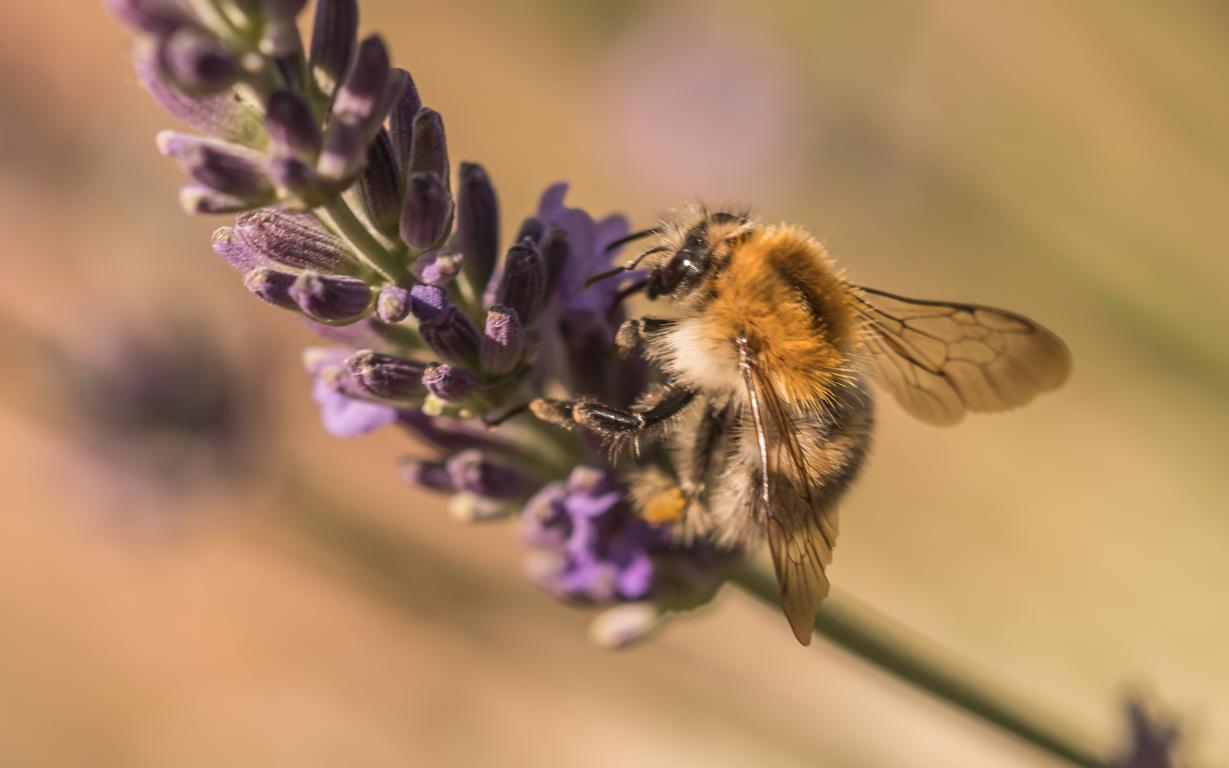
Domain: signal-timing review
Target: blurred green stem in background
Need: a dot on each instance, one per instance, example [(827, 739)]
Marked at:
[(855, 628)]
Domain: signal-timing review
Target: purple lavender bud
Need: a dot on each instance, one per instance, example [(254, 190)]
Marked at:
[(429, 303), (291, 241), (401, 120), (334, 34), (292, 127), (453, 337), (449, 383), (437, 267), (345, 148), (503, 340), (229, 171), (197, 62), (477, 223), (237, 253), (429, 146), (221, 115), (155, 17), (298, 179), (331, 299), (360, 95), (451, 435), (199, 199), (432, 475), (387, 377), (393, 304), (379, 186), (522, 286), (555, 253), (531, 230), (271, 285), (427, 211), (473, 472)]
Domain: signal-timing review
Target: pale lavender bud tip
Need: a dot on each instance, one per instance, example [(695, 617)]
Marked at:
[(199, 199), (237, 253), (333, 40), (292, 127), (393, 304), (427, 211), (432, 475), (331, 299), (271, 285), (387, 377), (523, 283), (477, 223), (473, 472), (449, 383), (437, 267), (428, 303), (502, 340)]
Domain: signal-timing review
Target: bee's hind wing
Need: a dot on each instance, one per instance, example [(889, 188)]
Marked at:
[(800, 524)]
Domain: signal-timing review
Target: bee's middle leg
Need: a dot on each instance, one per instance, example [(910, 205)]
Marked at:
[(611, 422), (634, 332)]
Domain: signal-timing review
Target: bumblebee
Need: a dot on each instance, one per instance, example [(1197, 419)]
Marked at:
[(765, 413)]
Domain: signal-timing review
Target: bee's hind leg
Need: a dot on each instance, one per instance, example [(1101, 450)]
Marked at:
[(610, 422)]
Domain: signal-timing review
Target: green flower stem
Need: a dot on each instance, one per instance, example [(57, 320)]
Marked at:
[(339, 216), (854, 628)]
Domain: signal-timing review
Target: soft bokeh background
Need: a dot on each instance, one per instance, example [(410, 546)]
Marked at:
[(1067, 160)]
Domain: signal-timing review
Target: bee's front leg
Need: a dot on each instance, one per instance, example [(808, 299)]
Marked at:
[(633, 333), (610, 422)]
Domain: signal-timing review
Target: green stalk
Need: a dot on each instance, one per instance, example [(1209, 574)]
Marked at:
[(853, 627), (338, 215)]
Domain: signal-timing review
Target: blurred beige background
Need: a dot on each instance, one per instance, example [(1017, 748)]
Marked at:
[(1066, 160)]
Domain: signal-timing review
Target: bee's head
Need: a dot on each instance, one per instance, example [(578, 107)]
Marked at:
[(687, 248)]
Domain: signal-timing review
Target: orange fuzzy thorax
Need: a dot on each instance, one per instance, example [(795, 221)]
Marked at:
[(782, 291)]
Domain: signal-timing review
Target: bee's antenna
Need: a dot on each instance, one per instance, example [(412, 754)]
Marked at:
[(628, 267), (633, 237)]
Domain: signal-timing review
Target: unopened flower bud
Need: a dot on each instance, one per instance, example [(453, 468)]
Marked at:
[(334, 36), (522, 286), (197, 62), (429, 147), (227, 115), (393, 304), (428, 303), (427, 211), (299, 179), (387, 377), (437, 267), (292, 126), (555, 253), (477, 223), (449, 383), (503, 340), (401, 121), (155, 17), (452, 337), (474, 472), (379, 186), (531, 230), (345, 149), (432, 475), (231, 171), (237, 253), (365, 86), (292, 241), (272, 285), (331, 299), (198, 199)]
